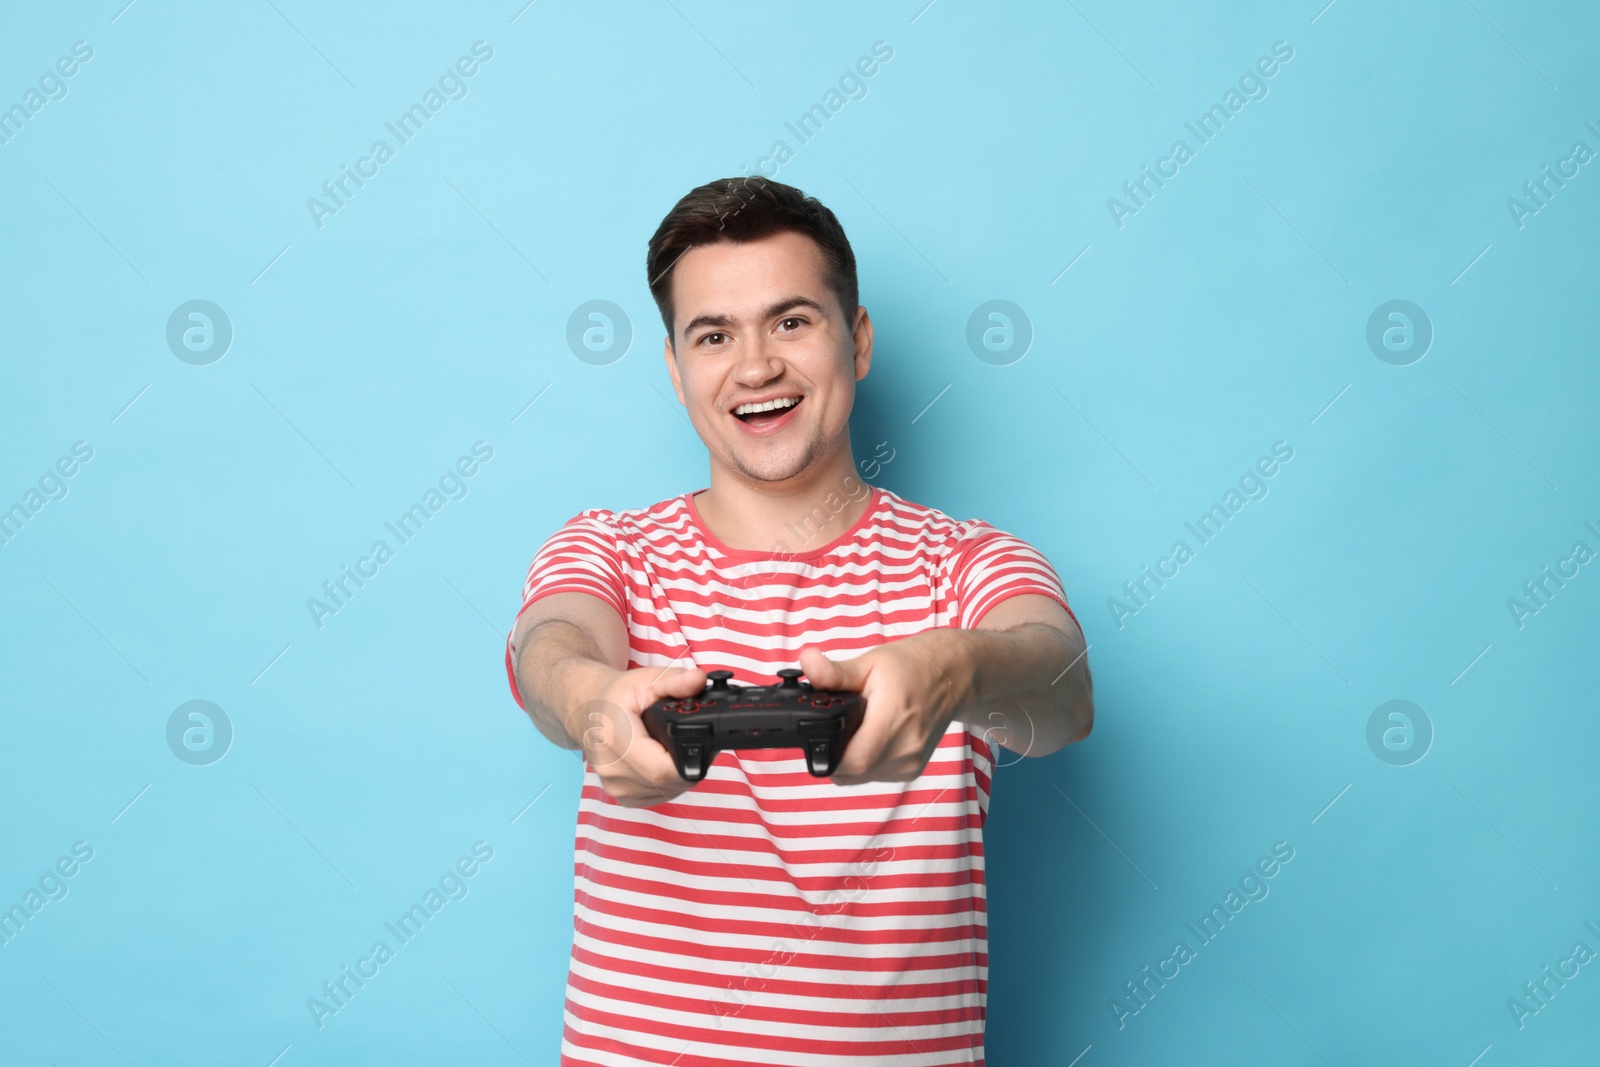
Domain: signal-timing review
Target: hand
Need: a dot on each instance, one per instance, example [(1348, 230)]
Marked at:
[(913, 688), (632, 766)]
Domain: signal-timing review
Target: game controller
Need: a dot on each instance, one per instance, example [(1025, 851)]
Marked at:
[(791, 714)]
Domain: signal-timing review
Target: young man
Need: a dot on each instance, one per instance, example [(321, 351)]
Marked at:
[(764, 916)]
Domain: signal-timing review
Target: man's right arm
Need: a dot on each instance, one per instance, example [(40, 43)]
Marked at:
[(568, 648), (570, 654)]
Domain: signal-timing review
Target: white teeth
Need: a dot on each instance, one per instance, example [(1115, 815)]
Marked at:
[(770, 405)]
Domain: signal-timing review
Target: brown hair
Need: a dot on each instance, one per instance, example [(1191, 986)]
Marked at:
[(748, 209)]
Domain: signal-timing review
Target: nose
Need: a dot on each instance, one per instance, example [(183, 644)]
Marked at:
[(756, 364)]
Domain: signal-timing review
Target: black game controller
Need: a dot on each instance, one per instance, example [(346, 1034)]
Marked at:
[(791, 714)]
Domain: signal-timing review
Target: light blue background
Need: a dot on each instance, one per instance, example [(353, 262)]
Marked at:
[(1227, 314)]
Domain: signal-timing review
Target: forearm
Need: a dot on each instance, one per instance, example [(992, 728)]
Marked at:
[(1030, 685), (559, 668)]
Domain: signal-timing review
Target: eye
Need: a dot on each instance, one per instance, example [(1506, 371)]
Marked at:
[(797, 320), (706, 337)]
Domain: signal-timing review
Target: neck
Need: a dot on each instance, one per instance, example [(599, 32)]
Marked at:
[(794, 516)]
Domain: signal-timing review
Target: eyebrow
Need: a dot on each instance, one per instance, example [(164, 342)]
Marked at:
[(776, 309)]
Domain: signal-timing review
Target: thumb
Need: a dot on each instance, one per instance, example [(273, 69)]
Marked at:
[(679, 682), (649, 686), (847, 675)]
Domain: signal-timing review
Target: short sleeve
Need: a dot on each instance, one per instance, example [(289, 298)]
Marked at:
[(986, 566), (581, 557)]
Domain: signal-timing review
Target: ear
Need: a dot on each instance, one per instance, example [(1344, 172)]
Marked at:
[(672, 369), (862, 333)]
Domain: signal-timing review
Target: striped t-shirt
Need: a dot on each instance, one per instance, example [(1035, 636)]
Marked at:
[(765, 916)]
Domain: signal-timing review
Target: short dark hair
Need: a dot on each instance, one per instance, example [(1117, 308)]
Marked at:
[(748, 209)]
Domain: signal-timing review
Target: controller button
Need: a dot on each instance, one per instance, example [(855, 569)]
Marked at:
[(791, 678), (819, 757), (693, 761), (719, 679)]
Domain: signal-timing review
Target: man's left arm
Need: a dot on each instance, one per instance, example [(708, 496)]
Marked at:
[(1030, 686), (1021, 676)]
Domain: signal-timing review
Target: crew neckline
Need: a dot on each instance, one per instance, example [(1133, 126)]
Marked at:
[(716, 542)]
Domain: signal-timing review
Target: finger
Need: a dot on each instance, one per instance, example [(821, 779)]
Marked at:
[(820, 671), (649, 794), (657, 769), (862, 754), (847, 675), (678, 682), (623, 748), (647, 761), (644, 777), (616, 728), (609, 730)]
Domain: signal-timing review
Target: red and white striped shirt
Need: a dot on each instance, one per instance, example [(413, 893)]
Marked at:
[(766, 916)]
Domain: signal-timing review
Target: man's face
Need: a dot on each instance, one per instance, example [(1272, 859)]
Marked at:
[(755, 322)]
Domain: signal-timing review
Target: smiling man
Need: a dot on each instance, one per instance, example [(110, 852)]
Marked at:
[(763, 916)]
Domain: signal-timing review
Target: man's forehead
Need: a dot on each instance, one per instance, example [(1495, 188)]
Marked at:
[(735, 277)]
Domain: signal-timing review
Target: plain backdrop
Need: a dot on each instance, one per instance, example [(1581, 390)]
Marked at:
[(1170, 343)]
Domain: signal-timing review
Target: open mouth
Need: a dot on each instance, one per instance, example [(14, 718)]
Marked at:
[(769, 413)]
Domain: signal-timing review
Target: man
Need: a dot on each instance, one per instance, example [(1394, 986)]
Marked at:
[(763, 916)]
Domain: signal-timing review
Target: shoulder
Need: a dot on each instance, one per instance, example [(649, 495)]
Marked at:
[(632, 525), (945, 535), (591, 521)]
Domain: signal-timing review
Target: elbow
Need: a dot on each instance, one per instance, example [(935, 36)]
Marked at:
[(1085, 716), (1082, 720)]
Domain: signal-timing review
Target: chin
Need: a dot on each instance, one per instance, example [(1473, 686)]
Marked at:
[(775, 469)]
